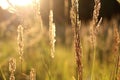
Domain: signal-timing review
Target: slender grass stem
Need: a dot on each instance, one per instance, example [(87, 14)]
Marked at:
[(93, 63)]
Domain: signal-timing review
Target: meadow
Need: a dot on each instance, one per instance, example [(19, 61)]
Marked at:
[(32, 50)]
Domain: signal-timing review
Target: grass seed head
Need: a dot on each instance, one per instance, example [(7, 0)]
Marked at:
[(20, 40), (52, 33), (32, 74), (12, 68)]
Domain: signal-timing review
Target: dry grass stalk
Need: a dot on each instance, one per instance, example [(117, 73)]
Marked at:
[(116, 52), (20, 43), (52, 33), (116, 40), (95, 23), (76, 27), (118, 68), (32, 74), (94, 28), (12, 68), (73, 78), (36, 7), (98, 26)]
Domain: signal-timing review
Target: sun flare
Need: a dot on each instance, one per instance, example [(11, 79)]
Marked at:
[(5, 4)]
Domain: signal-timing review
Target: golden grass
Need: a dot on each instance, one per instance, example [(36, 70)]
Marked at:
[(52, 33), (76, 24), (20, 43), (12, 68), (62, 68)]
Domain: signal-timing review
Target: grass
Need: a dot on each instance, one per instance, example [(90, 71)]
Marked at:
[(76, 60), (63, 66)]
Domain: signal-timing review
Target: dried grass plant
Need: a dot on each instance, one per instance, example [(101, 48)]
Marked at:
[(20, 43), (116, 39), (76, 24), (95, 24), (94, 28), (32, 74), (12, 68), (52, 33)]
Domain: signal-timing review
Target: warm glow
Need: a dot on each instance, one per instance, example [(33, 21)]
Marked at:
[(4, 4), (19, 3)]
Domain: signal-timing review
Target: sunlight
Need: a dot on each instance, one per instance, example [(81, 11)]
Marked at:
[(20, 3), (118, 1), (4, 4)]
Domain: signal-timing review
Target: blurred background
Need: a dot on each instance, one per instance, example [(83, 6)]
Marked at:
[(36, 39)]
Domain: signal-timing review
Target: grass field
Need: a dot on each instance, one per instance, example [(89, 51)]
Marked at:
[(32, 50)]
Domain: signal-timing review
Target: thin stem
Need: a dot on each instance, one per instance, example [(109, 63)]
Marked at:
[(21, 65), (117, 68), (93, 63)]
